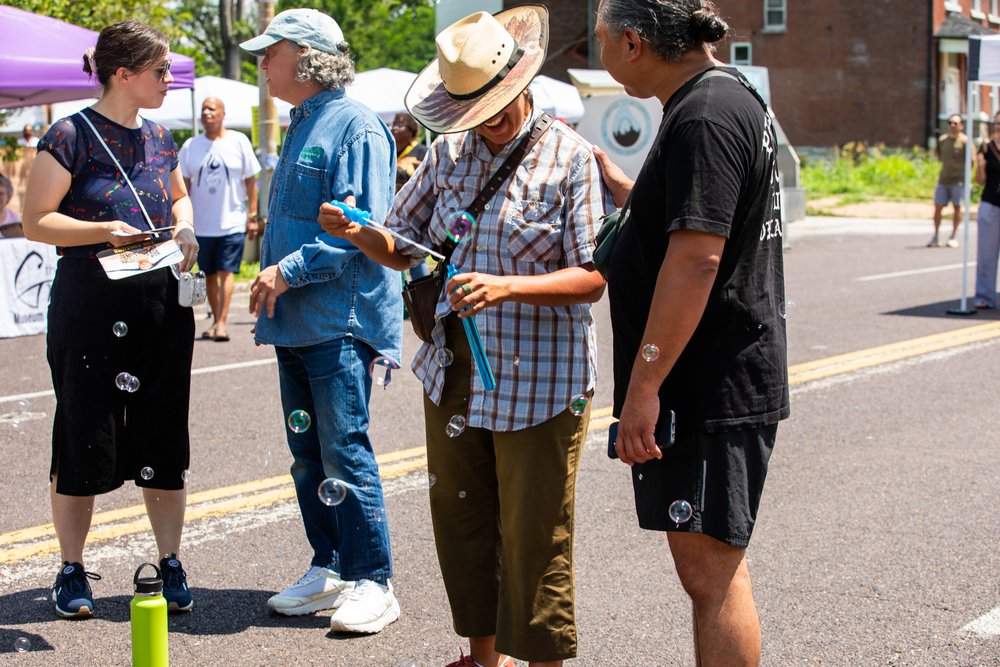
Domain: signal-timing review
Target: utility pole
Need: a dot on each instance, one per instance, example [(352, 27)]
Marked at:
[(267, 129)]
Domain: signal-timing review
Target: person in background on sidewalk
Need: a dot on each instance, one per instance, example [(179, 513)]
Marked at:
[(988, 220), (696, 284), (27, 138), (505, 461), (10, 221), (220, 170), (951, 181), (332, 315), (409, 154), (103, 434)]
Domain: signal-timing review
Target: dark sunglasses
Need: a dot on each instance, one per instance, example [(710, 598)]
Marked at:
[(163, 69)]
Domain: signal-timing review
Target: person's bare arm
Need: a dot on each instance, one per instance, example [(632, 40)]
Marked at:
[(47, 186)]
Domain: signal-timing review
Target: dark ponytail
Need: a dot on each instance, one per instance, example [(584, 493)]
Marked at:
[(671, 28), (130, 44)]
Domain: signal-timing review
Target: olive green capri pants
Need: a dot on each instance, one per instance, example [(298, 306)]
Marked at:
[(502, 507)]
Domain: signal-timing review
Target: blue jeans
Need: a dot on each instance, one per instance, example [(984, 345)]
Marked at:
[(330, 381), (987, 250)]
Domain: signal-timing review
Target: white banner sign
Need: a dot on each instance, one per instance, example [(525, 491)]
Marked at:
[(26, 272), (622, 126)]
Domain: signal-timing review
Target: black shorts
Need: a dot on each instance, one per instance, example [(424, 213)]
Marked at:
[(101, 435), (720, 474)]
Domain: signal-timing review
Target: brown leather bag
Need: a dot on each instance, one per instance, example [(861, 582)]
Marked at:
[(421, 296)]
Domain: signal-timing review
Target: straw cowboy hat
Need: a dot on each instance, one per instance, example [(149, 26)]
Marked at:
[(483, 64)]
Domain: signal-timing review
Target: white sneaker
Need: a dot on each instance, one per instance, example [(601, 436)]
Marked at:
[(368, 608), (319, 588), (952, 242)]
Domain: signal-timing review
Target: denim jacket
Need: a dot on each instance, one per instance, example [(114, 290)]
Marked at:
[(335, 147)]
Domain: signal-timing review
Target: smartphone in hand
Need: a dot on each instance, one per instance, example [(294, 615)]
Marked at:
[(664, 434)]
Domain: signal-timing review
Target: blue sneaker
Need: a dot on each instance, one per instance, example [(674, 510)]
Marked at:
[(175, 588), (71, 592)]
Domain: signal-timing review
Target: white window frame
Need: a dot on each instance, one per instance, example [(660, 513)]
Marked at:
[(977, 5), (776, 6), (977, 10), (994, 7), (733, 60)]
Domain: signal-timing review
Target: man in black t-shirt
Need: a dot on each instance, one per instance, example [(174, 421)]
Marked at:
[(696, 290)]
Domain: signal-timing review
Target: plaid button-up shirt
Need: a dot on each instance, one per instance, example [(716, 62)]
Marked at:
[(541, 220)]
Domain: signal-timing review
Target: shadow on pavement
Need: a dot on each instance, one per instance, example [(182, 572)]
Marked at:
[(216, 612), (941, 308)]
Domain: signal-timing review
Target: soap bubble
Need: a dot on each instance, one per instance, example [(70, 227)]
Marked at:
[(578, 405), (379, 515), (22, 405), (332, 491), (461, 494), (146, 473), (444, 357), (650, 352), (431, 480), (786, 308), (455, 427), (381, 370), (22, 644), (680, 511), (127, 382), (119, 329), (299, 421), (460, 225)]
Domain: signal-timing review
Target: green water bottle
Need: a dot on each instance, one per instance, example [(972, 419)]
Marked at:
[(148, 612)]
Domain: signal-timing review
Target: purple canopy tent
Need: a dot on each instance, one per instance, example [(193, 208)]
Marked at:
[(41, 61)]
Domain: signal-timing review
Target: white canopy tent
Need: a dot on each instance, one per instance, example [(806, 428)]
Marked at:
[(180, 112), (382, 90), (983, 70), (556, 98)]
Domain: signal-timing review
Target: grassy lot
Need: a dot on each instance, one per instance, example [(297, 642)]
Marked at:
[(859, 173)]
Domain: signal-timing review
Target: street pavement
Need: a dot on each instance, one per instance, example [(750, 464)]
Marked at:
[(877, 540)]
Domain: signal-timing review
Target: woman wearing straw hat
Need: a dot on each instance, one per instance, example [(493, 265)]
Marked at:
[(525, 273)]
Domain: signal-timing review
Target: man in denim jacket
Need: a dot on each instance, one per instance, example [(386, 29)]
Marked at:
[(330, 312)]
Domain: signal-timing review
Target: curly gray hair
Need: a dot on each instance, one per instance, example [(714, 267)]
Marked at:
[(671, 27), (331, 71)]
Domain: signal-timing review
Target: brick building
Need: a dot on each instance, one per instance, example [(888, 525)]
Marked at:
[(880, 71)]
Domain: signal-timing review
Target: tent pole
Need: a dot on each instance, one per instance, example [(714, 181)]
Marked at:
[(963, 308), (194, 116)]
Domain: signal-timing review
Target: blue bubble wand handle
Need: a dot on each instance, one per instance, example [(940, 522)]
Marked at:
[(476, 345), (364, 218)]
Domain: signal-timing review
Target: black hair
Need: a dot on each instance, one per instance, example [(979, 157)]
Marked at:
[(672, 28)]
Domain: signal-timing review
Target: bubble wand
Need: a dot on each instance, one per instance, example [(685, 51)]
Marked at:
[(364, 218), (469, 323)]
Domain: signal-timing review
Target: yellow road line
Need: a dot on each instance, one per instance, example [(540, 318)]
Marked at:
[(884, 354), (263, 492)]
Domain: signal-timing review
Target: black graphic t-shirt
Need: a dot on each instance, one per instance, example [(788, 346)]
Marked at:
[(712, 168), (991, 190)]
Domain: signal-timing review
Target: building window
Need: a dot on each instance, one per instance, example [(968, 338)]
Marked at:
[(741, 53), (977, 5), (994, 6), (774, 15)]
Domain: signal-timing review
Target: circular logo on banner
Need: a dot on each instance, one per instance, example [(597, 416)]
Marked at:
[(625, 126), (31, 282)]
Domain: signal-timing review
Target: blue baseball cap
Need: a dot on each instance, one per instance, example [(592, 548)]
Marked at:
[(309, 27)]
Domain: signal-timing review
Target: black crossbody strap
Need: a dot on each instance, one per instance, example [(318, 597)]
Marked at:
[(501, 175)]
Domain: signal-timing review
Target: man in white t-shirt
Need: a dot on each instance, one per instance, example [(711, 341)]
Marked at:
[(28, 138), (219, 168)]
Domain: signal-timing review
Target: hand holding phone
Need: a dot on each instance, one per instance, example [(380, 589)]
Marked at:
[(664, 434)]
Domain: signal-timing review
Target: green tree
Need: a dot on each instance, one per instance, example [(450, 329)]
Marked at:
[(211, 32), (96, 14), (382, 33)]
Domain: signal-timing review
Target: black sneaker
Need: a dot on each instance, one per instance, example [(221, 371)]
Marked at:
[(71, 592), (175, 588)]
